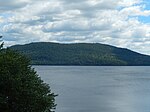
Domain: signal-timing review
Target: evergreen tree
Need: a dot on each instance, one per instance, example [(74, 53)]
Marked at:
[(21, 89)]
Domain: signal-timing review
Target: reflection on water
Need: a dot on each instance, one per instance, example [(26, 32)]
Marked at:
[(99, 89)]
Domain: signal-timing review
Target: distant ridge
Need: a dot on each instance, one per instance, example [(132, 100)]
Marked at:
[(84, 54)]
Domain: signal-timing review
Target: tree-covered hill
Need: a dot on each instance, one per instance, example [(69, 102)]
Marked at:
[(47, 53)]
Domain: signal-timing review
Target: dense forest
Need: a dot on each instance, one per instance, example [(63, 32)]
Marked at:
[(88, 54)]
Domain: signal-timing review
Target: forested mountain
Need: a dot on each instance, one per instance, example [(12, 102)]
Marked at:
[(47, 53)]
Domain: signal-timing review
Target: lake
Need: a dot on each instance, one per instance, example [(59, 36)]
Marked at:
[(99, 88)]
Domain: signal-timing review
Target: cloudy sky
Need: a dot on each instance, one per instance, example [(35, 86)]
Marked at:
[(122, 23)]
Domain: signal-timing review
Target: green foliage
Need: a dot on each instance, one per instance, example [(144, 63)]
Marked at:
[(45, 53), (21, 89)]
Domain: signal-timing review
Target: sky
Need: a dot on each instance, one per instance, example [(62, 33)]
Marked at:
[(121, 23)]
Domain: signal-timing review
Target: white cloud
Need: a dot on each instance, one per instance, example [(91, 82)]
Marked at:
[(129, 3), (1, 19), (112, 22), (8, 5), (135, 11)]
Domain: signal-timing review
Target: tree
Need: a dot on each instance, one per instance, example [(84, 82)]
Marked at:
[(1, 45), (21, 89)]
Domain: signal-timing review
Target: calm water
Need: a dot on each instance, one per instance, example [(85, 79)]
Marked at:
[(99, 89)]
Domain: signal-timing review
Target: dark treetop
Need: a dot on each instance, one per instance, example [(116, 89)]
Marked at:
[(21, 89)]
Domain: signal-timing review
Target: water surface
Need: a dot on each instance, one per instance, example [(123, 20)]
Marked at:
[(98, 88)]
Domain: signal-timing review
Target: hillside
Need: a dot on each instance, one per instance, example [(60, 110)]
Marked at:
[(47, 53)]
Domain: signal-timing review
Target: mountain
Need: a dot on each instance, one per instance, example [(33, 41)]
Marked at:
[(47, 53)]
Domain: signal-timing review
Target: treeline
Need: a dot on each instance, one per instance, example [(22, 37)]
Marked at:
[(46, 53)]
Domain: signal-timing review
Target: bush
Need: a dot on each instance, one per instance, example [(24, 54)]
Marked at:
[(21, 89)]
